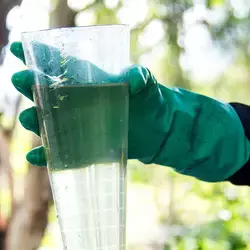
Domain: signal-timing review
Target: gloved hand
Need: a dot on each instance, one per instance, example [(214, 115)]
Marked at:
[(194, 134)]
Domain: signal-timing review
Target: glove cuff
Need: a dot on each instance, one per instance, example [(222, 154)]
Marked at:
[(242, 176), (243, 112)]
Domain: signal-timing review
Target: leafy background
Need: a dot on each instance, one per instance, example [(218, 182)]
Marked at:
[(203, 46)]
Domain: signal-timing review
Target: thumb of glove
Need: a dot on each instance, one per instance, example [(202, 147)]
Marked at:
[(138, 78)]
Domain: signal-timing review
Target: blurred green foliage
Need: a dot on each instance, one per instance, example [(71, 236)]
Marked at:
[(224, 209), (198, 215)]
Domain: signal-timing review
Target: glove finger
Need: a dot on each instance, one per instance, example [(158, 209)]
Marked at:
[(29, 120), (138, 78), (17, 50), (23, 82), (66, 69), (37, 157), (56, 65)]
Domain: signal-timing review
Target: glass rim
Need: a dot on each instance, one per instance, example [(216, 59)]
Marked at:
[(85, 27)]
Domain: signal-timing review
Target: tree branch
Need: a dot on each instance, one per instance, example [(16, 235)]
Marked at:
[(91, 6), (141, 26)]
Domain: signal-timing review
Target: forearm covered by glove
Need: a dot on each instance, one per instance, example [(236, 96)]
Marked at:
[(194, 134)]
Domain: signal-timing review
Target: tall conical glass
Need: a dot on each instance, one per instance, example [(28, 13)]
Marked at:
[(82, 104)]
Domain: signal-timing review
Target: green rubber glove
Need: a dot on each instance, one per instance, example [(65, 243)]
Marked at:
[(194, 134)]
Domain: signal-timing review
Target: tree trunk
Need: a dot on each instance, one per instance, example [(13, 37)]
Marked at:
[(62, 15), (5, 7), (6, 171), (5, 168), (29, 218), (5, 181)]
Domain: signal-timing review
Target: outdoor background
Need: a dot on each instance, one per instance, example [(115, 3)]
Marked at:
[(200, 45)]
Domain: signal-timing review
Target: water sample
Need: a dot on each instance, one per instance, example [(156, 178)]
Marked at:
[(84, 130)]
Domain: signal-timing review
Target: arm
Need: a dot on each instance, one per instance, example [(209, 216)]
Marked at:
[(194, 134)]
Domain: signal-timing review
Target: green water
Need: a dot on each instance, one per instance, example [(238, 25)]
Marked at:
[(84, 130), (83, 125)]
